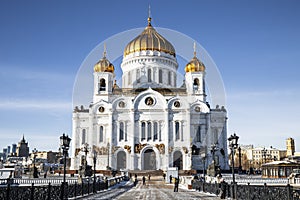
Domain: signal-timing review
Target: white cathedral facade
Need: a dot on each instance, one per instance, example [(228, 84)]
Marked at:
[(149, 123)]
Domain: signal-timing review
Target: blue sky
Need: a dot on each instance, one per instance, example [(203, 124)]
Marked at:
[(255, 44)]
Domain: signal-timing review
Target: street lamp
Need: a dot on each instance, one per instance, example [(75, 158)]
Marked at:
[(233, 143), (240, 160), (95, 159), (214, 148), (203, 156), (65, 144), (35, 174)]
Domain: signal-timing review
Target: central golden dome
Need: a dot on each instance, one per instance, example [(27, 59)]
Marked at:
[(149, 39)]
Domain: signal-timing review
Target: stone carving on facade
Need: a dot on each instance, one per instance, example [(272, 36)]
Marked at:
[(128, 148), (170, 149), (138, 147), (77, 150), (161, 148), (185, 150), (114, 149), (100, 150)]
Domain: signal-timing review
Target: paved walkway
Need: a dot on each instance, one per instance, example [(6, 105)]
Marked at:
[(153, 190)]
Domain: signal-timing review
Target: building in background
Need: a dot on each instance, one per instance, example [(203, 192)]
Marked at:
[(22, 148)]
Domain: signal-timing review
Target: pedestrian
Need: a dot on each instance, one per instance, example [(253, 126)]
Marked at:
[(144, 180), (149, 177), (170, 178), (223, 189), (164, 176), (176, 183)]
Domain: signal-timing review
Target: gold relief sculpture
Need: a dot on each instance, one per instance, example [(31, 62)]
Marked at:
[(161, 148), (100, 150), (138, 147), (170, 149), (77, 150), (114, 149), (185, 150), (128, 148)]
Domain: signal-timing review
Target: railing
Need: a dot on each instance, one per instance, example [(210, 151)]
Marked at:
[(54, 191), (248, 191), (39, 181), (258, 181)]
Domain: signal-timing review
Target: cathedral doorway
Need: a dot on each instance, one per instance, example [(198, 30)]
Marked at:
[(149, 159), (177, 160), (121, 160)]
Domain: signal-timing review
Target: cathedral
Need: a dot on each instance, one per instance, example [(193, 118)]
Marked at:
[(149, 123)]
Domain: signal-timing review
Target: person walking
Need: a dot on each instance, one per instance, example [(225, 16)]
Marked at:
[(144, 180), (176, 183), (170, 178), (149, 177)]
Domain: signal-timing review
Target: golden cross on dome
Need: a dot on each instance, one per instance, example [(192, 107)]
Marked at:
[(149, 16), (104, 50), (195, 49)]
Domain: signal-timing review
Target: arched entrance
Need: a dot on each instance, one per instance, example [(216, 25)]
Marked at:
[(177, 160), (121, 160), (149, 159)]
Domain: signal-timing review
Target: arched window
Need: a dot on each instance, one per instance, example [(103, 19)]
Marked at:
[(83, 136), (137, 75), (149, 75), (143, 137), (177, 130), (196, 84), (102, 85), (198, 134), (169, 78), (101, 134), (149, 132), (155, 131), (160, 76), (121, 131)]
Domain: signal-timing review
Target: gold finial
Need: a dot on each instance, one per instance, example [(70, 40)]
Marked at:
[(149, 16), (104, 50), (195, 49)]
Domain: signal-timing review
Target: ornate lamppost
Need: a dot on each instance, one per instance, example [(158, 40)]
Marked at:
[(65, 144), (203, 156), (35, 173), (214, 148), (95, 160), (240, 160), (233, 143)]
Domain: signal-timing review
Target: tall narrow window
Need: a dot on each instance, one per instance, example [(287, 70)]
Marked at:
[(149, 75), (121, 131), (83, 136), (143, 137), (149, 132), (177, 130), (155, 131), (169, 78), (160, 76), (198, 134), (129, 78), (174, 81), (101, 134), (137, 75), (102, 85)]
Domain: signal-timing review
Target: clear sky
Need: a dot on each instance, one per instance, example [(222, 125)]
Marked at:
[(255, 44)]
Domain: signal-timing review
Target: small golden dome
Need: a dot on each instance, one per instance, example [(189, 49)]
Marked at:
[(103, 65), (195, 65), (149, 39)]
